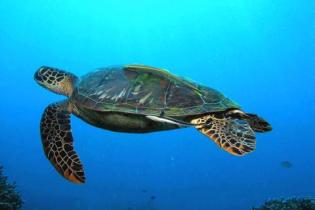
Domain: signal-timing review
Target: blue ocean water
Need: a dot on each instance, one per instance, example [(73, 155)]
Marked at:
[(259, 53)]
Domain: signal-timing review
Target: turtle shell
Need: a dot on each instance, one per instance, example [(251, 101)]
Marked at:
[(146, 90)]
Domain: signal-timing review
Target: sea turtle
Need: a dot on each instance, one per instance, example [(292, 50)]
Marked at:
[(138, 99)]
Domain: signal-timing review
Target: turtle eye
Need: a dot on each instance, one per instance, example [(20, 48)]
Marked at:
[(43, 70)]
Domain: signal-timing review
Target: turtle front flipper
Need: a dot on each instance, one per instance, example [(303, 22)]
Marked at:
[(233, 135), (58, 142)]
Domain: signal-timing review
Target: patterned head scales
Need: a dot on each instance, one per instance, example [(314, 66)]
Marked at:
[(58, 81)]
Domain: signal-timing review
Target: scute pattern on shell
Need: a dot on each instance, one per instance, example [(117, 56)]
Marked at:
[(146, 90)]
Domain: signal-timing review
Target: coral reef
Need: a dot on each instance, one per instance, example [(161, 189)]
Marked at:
[(289, 204), (9, 197)]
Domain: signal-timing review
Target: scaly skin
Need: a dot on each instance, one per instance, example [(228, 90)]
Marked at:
[(138, 99)]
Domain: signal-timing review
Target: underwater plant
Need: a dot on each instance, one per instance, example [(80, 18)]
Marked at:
[(10, 199), (288, 204)]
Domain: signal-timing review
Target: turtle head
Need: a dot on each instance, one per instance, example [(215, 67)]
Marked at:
[(58, 81)]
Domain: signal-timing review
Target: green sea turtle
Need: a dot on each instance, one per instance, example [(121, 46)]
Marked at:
[(138, 99)]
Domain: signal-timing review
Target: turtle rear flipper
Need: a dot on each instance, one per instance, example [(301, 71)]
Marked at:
[(233, 135), (58, 142), (257, 123)]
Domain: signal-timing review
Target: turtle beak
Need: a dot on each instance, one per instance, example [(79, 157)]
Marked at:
[(37, 77)]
